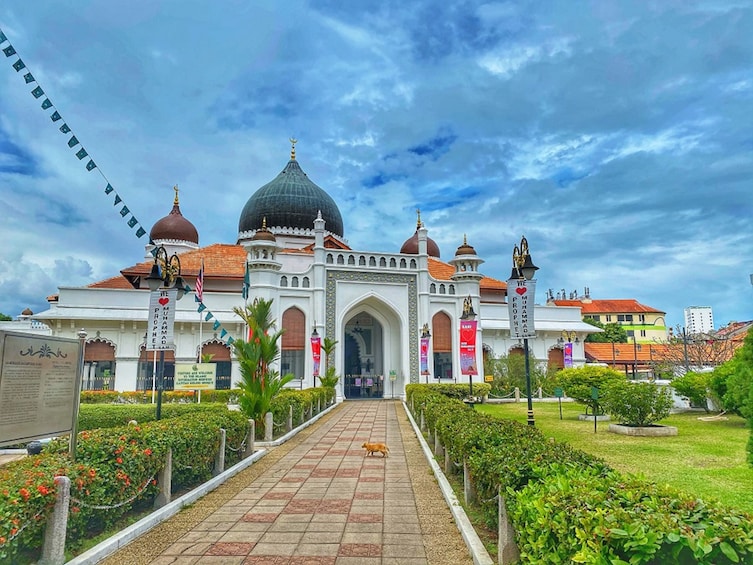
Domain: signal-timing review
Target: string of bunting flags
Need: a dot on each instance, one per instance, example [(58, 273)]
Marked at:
[(82, 154), (73, 142)]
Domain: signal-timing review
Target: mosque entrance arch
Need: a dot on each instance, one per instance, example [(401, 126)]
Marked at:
[(363, 359)]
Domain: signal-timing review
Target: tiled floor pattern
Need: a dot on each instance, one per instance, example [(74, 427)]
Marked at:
[(323, 503)]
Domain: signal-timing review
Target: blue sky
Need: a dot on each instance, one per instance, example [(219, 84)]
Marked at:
[(616, 136)]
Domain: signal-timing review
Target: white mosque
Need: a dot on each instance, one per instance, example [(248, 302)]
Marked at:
[(291, 248)]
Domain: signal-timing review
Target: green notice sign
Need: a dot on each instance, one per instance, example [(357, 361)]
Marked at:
[(195, 376), (558, 392)]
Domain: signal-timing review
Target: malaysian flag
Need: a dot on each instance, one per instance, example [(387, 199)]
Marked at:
[(200, 284)]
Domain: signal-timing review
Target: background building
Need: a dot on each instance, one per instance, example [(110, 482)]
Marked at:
[(699, 319)]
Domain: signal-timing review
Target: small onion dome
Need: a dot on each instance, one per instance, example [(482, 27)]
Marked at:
[(410, 246), (263, 234), (174, 226), (465, 249), (27, 312)]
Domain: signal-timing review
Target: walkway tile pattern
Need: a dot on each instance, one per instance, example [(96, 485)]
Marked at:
[(320, 501)]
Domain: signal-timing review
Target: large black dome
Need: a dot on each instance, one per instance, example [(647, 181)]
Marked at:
[(290, 200)]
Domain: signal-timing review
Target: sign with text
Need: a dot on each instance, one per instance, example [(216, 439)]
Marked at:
[(424, 355), (568, 353), (38, 386), (520, 298), (195, 376), (161, 329), (316, 352), (468, 347)]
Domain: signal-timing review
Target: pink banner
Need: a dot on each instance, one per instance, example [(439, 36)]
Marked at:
[(468, 347), (424, 355), (316, 351), (568, 355)]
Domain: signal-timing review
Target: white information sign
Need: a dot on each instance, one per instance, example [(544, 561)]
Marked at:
[(195, 376), (161, 330), (38, 385), (520, 299)]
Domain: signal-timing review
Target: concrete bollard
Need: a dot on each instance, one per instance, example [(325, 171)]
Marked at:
[(318, 405), (289, 426), (540, 393), (517, 394), (269, 426), (250, 439), (448, 463), (438, 449), (507, 549), (219, 458), (468, 491), (53, 548), (165, 482), (423, 422)]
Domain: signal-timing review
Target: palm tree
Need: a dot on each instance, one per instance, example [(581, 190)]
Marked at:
[(259, 383), (330, 376)]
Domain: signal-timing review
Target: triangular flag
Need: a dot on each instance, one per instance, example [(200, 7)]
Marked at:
[(90, 166), (9, 51), (140, 232), (81, 153), (56, 116), (208, 317), (108, 188), (132, 222), (216, 325), (72, 141), (3, 39), (28, 77), (65, 129), (230, 340), (124, 211), (223, 333), (18, 65), (37, 92), (201, 308), (118, 200), (46, 105)]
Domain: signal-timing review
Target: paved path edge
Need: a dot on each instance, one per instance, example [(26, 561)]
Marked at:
[(472, 541)]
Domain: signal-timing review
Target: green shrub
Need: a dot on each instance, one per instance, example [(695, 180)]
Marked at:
[(613, 519), (92, 416), (636, 404), (577, 382), (695, 387)]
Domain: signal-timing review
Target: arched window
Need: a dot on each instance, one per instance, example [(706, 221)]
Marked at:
[(403, 264), (433, 288), (330, 259), (340, 260), (393, 263), (99, 365), (382, 262), (412, 263), (306, 282), (144, 380), (283, 281), (372, 262), (351, 260), (452, 289), (295, 282), (556, 358), (441, 339), (293, 348), (362, 260), (442, 289), (219, 354)]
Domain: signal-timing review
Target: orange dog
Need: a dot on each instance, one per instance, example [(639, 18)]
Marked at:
[(372, 448)]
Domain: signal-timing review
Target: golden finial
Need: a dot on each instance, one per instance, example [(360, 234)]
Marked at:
[(264, 223), (293, 141), (175, 188), (418, 221), (465, 240)]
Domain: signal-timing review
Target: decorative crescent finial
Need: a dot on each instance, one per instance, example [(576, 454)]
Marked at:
[(175, 188), (293, 141), (264, 223), (418, 220)]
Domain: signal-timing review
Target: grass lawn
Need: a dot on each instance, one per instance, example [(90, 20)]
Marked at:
[(706, 459)]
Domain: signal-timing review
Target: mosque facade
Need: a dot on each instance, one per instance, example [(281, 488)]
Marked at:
[(396, 316)]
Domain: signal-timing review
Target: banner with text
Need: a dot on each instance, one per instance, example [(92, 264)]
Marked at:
[(520, 298), (424, 355), (568, 355), (468, 347), (161, 330), (316, 351)]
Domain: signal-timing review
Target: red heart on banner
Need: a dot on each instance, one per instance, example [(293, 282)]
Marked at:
[(164, 300), (521, 290)]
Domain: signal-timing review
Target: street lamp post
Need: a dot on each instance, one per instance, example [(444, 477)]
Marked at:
[(523, 269), (165, 275)]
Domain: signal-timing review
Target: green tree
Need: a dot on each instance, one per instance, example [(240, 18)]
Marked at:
[(330, 377), (732, 382), (613, 333), (5, 318), (509, 373), (259, 383)]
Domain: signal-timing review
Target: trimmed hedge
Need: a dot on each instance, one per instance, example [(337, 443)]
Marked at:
[(92, 416), (568, 506), (115, 469)]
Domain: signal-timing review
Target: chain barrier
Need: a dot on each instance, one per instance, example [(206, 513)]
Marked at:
[(22, 528), (241, 448), (106, 507)]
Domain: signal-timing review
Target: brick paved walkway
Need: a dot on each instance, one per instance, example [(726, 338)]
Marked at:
[(321, 501)]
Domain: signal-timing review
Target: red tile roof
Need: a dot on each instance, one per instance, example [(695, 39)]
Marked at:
[(443, 271), (615, 306)]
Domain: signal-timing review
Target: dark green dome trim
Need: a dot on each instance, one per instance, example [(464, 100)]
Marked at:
[(290, 200)]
